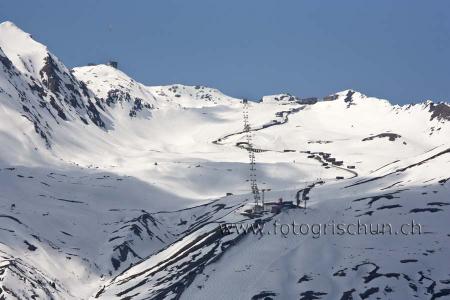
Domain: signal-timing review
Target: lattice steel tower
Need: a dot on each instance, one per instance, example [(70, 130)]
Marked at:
[(251, 154)]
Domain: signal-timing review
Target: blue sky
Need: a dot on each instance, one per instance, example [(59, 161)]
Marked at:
[(398, 50)]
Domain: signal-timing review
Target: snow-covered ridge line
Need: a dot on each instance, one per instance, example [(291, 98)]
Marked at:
[(40, 87)]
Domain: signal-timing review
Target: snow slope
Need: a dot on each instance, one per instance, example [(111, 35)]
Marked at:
[(111, 189)]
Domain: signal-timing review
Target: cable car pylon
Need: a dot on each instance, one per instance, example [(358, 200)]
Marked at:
[(251, 155)]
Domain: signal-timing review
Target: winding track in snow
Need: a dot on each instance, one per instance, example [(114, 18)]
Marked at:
[(285, 115), (319, 158)]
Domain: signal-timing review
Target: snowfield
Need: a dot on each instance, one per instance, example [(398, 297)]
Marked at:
[(111, 189)]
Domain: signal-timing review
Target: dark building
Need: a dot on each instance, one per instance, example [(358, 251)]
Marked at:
[(311, 100), (113, 64), (330, 98)]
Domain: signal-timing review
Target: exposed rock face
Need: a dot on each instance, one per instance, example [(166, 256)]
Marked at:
[(5, 60), (391, 136), (349, 98), (119, 97), (66, 88), (440, 111), (34, 284), (49, 75)]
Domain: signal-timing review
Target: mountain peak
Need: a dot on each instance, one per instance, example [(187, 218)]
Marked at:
[(25, 53), (351, 93), (10, 25), (284, 97), (104, 71)]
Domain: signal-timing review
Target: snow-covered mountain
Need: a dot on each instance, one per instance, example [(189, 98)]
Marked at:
[(111, 189)]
